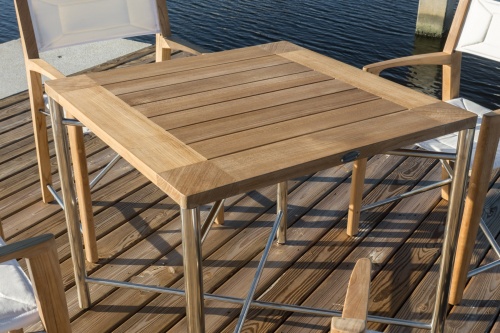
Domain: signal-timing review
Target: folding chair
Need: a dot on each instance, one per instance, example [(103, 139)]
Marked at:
[(475, 30), (52, 24)]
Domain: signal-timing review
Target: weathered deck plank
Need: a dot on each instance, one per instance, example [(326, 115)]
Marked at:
[(138, 230), (244, 249), (312, 258), (475, 303)]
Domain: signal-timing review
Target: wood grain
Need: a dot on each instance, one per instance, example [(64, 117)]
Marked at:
[(167, 67), (356, 196), (210, 83), (130, 227), (45, 275), (192, 75), (295, 128), (262, 102), (476, 196), (264, 92), (358, 291), (436, 58), (316, 141), (362, 80), (262, 117)]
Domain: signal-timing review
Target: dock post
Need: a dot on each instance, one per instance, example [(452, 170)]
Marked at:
[(434, 17)]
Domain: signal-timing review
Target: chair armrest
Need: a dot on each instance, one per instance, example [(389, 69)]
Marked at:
[(45, 275), (358, 291), (165, 45), (26, 248), (437, 58), (44, 68), (356, 300), (178, 43)]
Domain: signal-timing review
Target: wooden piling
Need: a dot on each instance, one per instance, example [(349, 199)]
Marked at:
[(434, 17)]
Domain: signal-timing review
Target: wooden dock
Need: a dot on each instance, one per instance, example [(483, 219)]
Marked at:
[(138, 230)]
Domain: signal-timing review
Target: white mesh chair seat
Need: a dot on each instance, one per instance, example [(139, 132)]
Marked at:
[(448, 143), (481, 32), (17, 301)]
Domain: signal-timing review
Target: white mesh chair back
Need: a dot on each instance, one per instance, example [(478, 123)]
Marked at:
[(481, 31), (59, 23)]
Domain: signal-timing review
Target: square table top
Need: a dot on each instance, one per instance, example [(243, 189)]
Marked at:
[(208, 127)]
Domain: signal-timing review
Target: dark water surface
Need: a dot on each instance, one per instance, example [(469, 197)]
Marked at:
[(355, 32)]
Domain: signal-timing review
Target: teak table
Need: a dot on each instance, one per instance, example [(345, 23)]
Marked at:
[(208, 127)]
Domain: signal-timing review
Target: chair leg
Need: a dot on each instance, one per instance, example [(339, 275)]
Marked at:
[(476, 196), (81, 175), (48, 285), (465, 247), (40, 134), (358, 180)]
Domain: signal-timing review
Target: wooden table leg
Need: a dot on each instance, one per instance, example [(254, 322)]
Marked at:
[(69, 199), (193, 269), (81, 176), (358, 181)]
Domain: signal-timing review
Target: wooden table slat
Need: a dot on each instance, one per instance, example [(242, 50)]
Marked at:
[(272, 89), (179, 65), (325, 148), (362, 80), (265, 135), (251, 103), (152, 82), (262, 117), (212, 83)]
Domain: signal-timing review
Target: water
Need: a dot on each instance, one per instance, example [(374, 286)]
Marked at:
[(355, 32)]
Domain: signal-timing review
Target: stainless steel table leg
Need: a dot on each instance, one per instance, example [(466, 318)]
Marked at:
[(191, 247), (453, 220), (281, 206), (69, 199)]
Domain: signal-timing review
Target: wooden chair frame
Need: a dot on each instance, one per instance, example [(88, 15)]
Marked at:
[(451, 60), (482, 168), (45, 274), (35, 69), (355, 309)]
